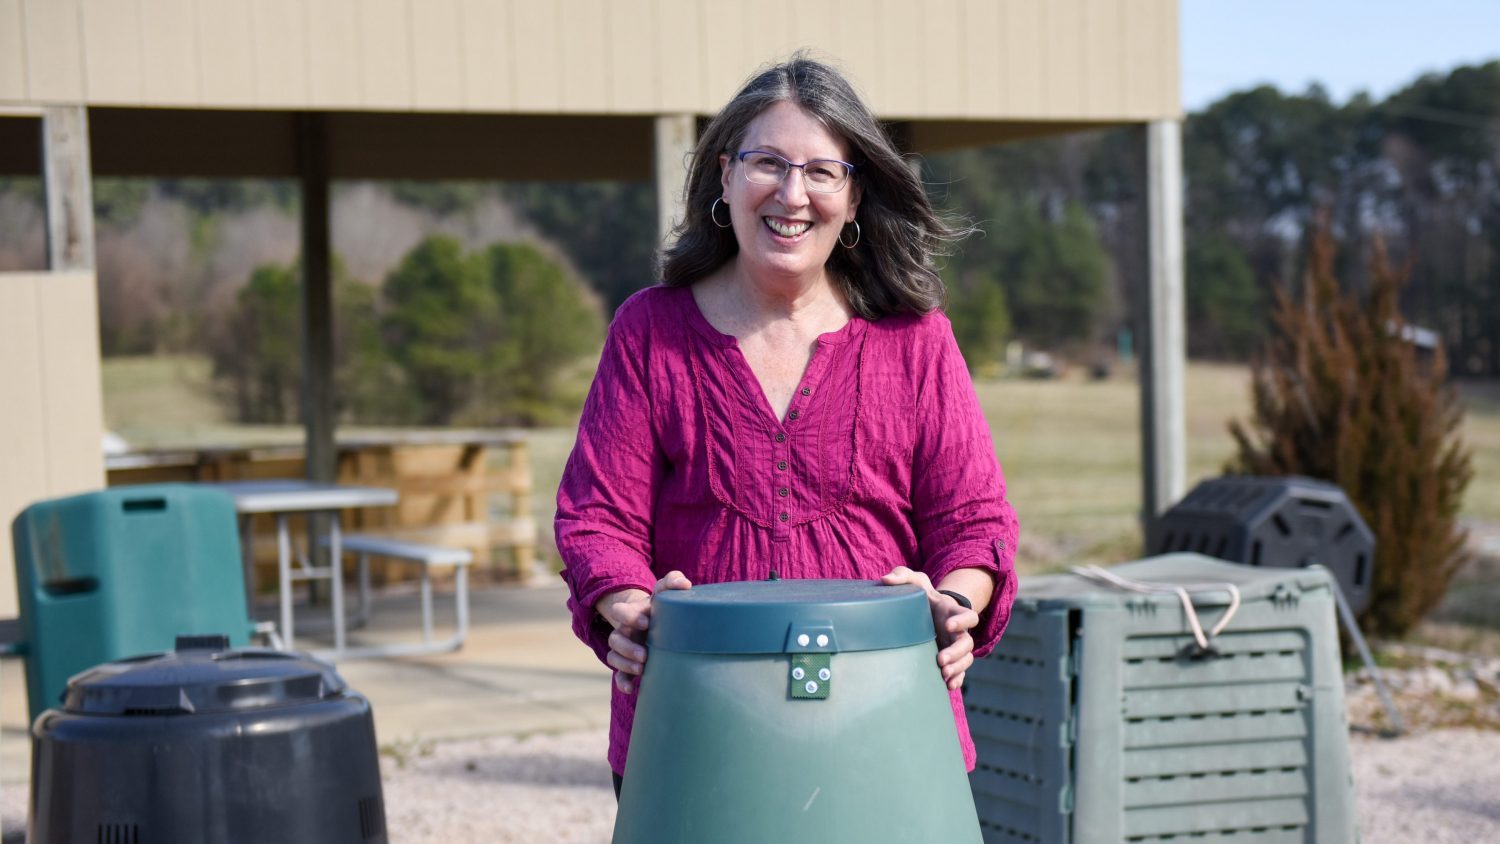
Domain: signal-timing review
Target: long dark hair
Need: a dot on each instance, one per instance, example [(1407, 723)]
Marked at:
[(891, 269)]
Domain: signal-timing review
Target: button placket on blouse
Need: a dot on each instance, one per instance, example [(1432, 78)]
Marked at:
[(782, 483), (783, 453)]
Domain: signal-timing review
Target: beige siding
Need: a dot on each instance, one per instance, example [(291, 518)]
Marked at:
[(1026, 60), (585, 54), (279, 35), (1021, 91), (50, 433), (631, 81), (721, 27), (536, 41), (489, 62), (437, 65), (385, 54), (334, 75), (944, 77), (855, 49), (984, 79), (1152, 56), (226, 52), (12, 52), (676, 53), (1103, 56), (112, 52), (1063, 58), (54, 50), (169, 51)]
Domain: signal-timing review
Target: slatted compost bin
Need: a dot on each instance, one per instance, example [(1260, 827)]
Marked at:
[(1097, 719)]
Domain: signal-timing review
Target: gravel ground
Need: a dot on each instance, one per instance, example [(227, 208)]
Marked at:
[(1438, 786), (538, 789)]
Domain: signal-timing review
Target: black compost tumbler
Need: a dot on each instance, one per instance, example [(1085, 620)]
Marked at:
[(207, 744)]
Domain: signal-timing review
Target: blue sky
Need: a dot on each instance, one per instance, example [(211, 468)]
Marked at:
[(1348, 45)]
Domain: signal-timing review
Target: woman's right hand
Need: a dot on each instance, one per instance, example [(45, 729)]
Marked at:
[(628, 611)]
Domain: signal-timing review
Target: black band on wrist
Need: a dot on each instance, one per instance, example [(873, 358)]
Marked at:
[(962, 600)]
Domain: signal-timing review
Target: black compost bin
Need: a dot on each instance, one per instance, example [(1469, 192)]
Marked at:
[(1276, 522), (207, 744)]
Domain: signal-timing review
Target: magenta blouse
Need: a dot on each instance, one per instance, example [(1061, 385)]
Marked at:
[(883, 459)]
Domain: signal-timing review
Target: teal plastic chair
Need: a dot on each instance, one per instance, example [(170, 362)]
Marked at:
[(122, 572)]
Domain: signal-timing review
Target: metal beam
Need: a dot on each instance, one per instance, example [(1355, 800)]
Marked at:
[(675, 137), (317, 299), (68, 184), (1163, 338)]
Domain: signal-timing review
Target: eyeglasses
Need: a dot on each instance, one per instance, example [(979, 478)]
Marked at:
[(824, 175)]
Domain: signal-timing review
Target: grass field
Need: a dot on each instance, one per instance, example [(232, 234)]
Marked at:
[(1070, 447)]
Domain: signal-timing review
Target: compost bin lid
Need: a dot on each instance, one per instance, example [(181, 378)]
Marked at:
[(1182, 569), (202, 675), (790, 616)]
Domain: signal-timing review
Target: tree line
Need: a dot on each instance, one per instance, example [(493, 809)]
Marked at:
[(1418, 171), (449, 338)]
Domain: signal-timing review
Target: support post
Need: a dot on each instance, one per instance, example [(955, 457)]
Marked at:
[(676, 135), (317, 299), (1163, 353), (68, 183)]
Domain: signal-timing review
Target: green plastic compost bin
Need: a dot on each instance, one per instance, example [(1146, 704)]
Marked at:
[(123, 571), (1099, 718), (794, 710)]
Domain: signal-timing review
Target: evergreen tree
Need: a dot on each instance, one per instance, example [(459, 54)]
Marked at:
[(371, 388), (981, 319), (548, 322), (443, 328), (1056, 277), (607, 229), (1341, 394), (1225, 313), (260, 355)]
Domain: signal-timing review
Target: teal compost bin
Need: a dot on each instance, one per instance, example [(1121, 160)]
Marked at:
[(120, 572), (794, 710)]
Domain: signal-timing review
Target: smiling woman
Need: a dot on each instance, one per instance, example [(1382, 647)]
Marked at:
[(790, 400), (786, 222)]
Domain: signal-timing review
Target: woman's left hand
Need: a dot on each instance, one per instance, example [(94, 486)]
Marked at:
[(951, 622)]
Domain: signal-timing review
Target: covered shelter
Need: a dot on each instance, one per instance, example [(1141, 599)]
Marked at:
[(317, 90)]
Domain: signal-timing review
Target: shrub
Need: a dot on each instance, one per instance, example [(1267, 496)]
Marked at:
[(257, 358), (1341, 394), (548, 320), (981, 320), (442, 328)]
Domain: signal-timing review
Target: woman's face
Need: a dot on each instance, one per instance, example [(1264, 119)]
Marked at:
[(786, 230)]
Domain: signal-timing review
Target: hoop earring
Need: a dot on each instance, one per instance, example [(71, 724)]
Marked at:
[(857, 235), (712, 215)]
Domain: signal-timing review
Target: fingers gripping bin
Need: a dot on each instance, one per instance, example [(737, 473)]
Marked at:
[(1098, 718), (794, 710)]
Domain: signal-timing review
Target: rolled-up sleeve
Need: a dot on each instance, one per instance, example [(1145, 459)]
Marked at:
[(961, 515), (609, 487)]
